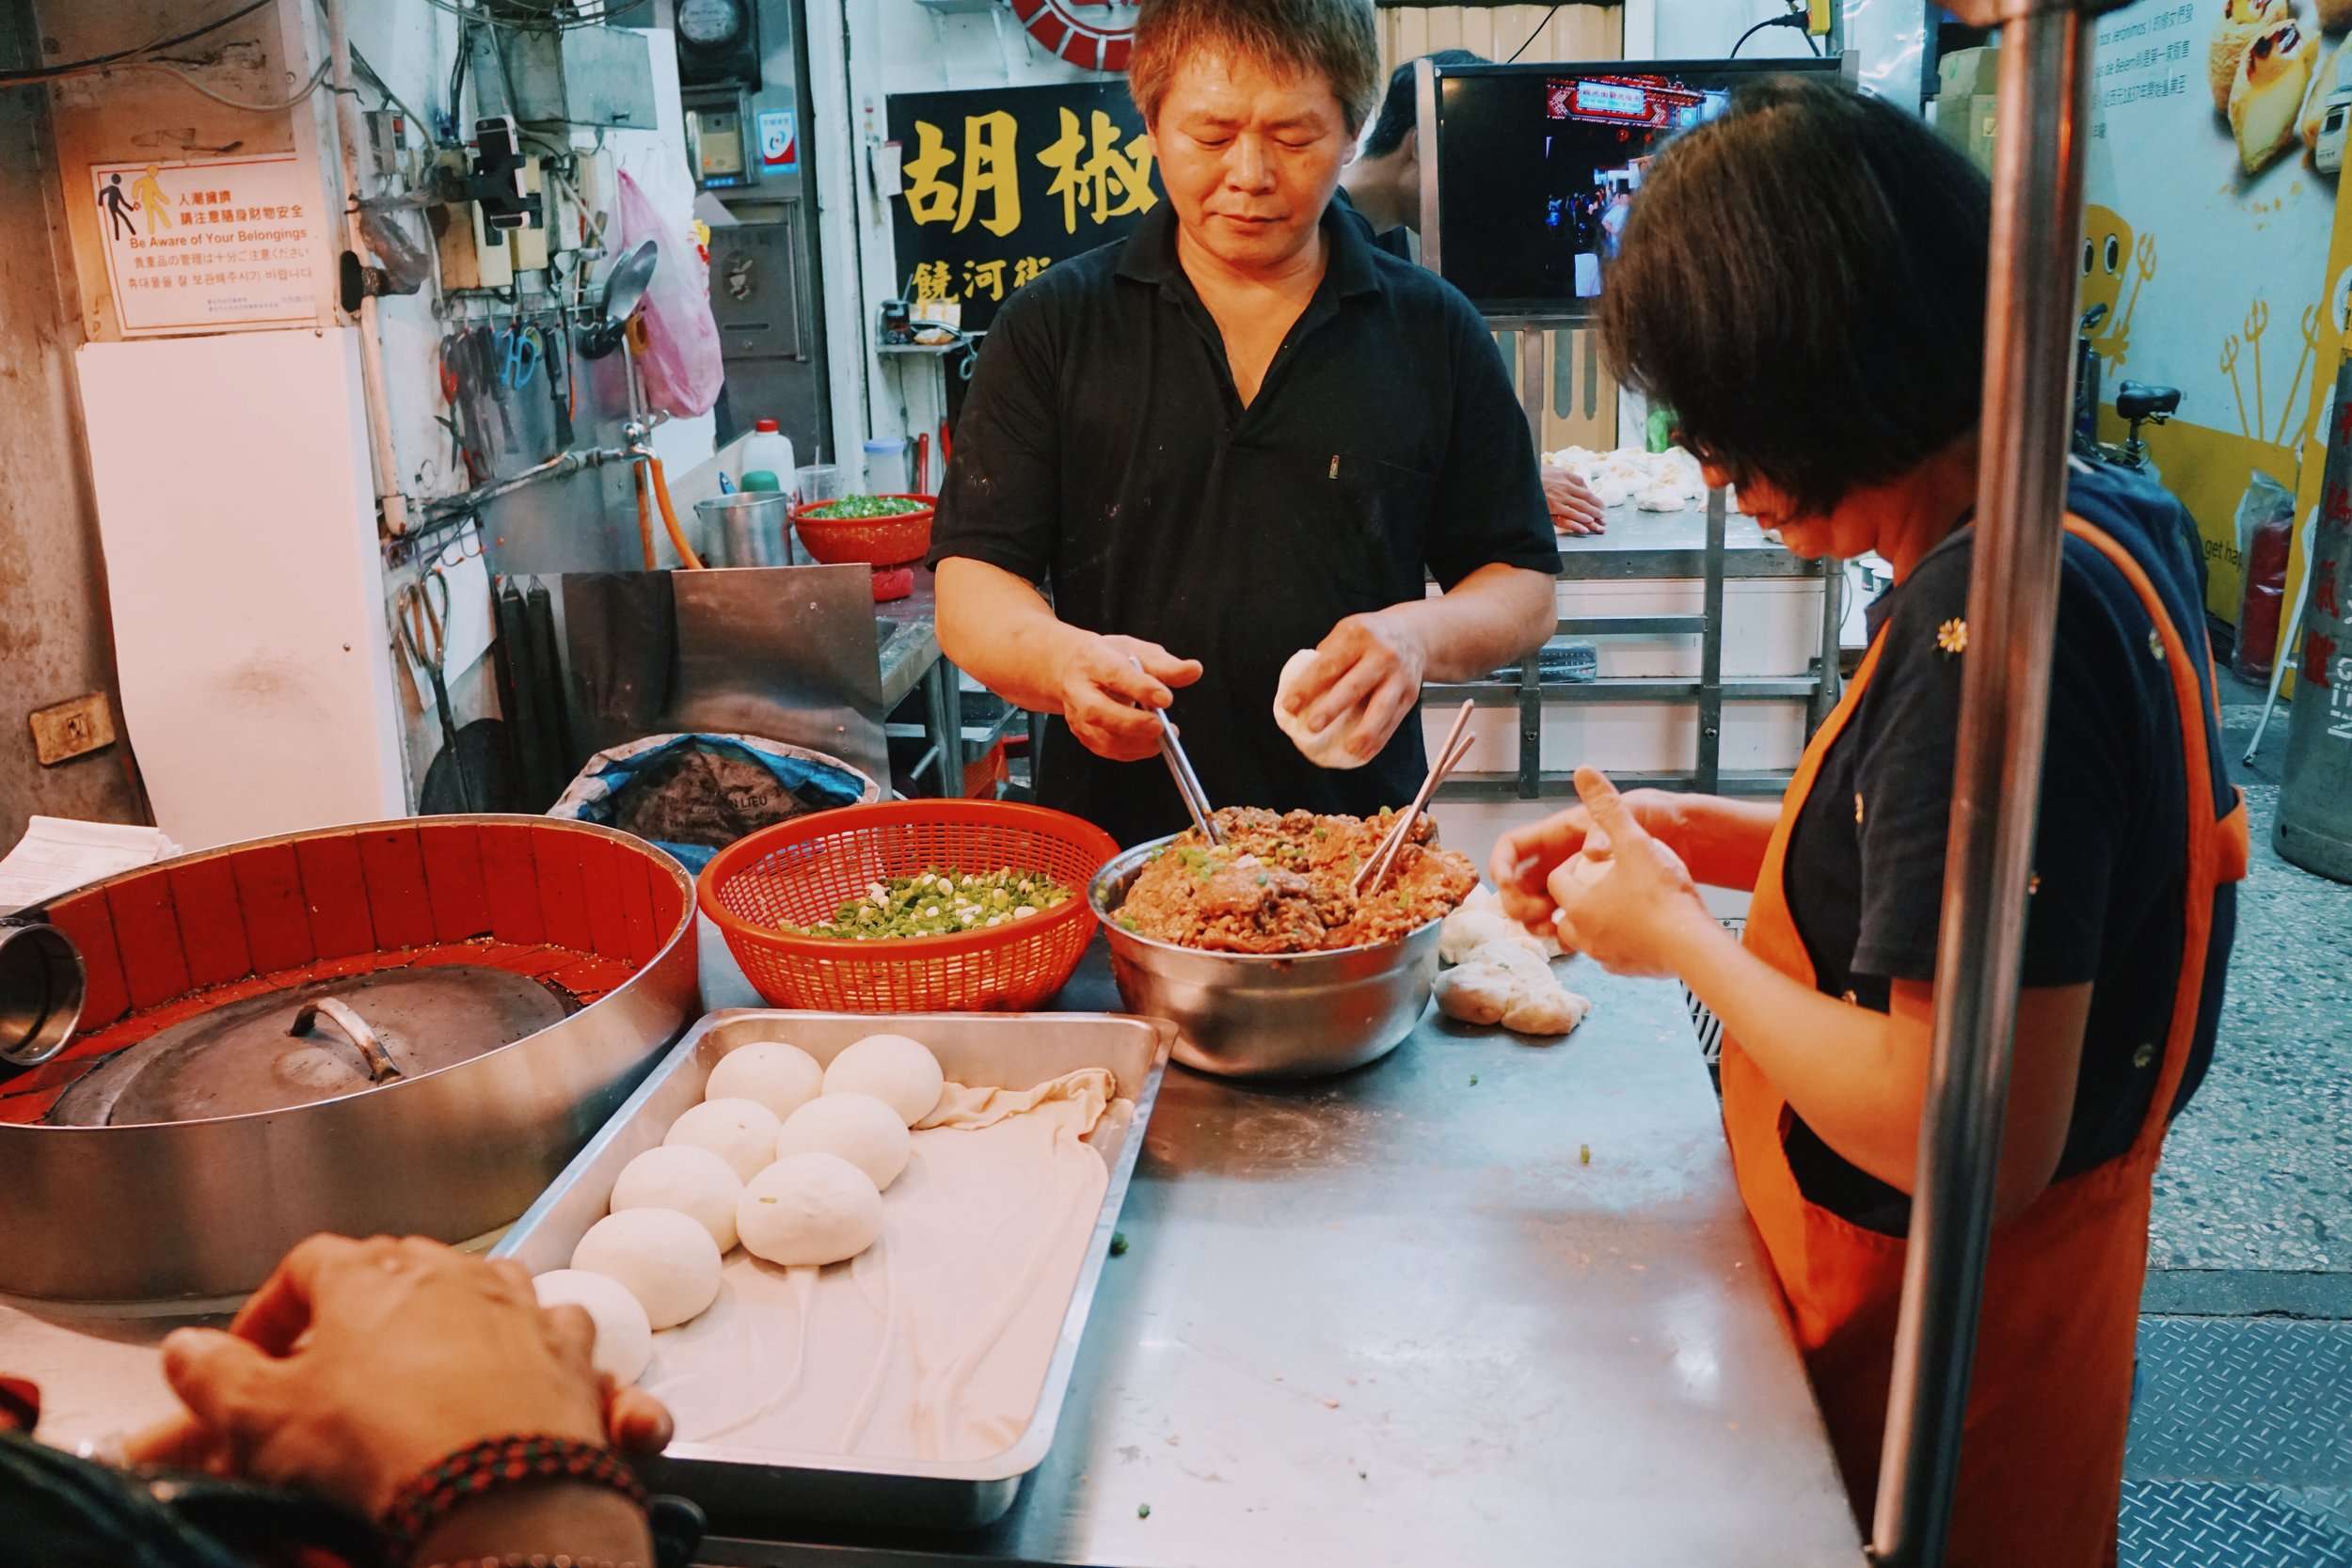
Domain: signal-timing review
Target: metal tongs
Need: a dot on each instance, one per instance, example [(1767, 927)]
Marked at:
[(1179, 769), (1450, 755)]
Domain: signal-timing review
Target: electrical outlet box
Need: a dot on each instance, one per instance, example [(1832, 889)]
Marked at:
[(73, 729)]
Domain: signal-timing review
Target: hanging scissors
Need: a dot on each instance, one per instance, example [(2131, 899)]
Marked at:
[(520, 350)]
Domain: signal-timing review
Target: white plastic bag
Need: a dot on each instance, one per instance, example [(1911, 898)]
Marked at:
[(681, 364)]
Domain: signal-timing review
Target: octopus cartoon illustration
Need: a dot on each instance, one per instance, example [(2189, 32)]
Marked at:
[(2109, 245)]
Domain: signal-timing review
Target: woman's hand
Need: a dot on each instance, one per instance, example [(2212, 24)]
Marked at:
[(1575, 509), (1624, 898), (1370, 667), (359, 1363), (1112, 689), (1525, 858)]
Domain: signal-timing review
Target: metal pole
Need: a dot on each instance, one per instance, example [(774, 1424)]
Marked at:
[(2012, 608)]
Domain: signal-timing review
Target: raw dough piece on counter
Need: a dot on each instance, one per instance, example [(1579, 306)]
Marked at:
[(1507, 984), (1659, 496), (857, 1127), (2240, 20), (900, 1072), (812, 1209), (1320, 746), (740, 1132), (624, 1337), (664, 1259), (782, 1077), (1478, 921), (689, 1178), (2266, 94)]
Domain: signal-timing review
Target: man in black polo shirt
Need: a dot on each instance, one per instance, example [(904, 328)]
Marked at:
[(1240, 433)]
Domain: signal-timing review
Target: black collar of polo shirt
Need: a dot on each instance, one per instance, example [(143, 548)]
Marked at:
[(1149, 254)]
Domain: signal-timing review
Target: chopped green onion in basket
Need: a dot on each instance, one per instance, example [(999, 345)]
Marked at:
[(939, 902), (866, 506)]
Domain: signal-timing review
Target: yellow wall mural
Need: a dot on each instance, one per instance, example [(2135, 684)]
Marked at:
[(2212, 202)]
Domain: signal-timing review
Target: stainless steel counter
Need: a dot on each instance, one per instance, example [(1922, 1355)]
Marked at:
[(1639, 544), (1392, 1319), (910, 640)]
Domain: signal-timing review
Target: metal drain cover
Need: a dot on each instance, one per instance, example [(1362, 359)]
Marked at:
[(245, 1055)]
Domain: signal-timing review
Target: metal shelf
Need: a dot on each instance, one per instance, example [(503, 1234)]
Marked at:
[(1708, 558)]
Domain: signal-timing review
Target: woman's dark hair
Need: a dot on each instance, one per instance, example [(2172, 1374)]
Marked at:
[(1801, 281)]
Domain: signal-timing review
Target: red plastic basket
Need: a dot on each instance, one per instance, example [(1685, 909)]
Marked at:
[(799, 873), (867, 541)]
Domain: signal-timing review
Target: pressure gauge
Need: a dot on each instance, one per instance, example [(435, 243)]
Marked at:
[(710, 23)]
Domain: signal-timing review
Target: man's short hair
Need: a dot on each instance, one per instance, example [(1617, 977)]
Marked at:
[(1399, 113), (1332, 38), (1803, 281)]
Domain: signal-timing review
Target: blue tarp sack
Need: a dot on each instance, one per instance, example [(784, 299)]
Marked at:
[(693, 795)]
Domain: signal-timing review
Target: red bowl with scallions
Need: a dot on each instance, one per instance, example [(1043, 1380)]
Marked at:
[(867, 531)]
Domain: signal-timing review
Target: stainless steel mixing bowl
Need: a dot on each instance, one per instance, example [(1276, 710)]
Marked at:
[(1245, 1015)]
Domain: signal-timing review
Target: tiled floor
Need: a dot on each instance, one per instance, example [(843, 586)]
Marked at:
[(2241, 1449), (2258, 1171)]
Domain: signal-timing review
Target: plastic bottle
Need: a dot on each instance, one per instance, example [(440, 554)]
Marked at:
[(886, 466), (766, 449)]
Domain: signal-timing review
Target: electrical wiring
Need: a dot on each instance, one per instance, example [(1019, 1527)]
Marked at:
[(75, 68), (1533, 37), (317, 79), (1792, 19), (392, 99), (553, 19)]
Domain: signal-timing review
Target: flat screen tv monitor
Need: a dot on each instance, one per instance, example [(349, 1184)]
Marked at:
[(1537, 164)]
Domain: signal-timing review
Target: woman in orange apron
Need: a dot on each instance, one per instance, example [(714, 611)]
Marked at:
[(1802, 282)]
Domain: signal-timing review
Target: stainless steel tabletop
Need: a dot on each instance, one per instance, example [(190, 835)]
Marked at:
[(1637, 544), (1390, 1318), (909, 629), (1394, 1319)]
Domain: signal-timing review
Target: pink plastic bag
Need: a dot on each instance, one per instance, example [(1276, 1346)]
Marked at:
[(681, 364)]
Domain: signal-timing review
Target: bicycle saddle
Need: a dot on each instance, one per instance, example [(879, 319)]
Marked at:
[(2137, 400)]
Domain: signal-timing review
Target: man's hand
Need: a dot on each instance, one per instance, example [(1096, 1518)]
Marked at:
[(1574, 507), (1525, 858), (1624, 898), (357, 1364), (1371, 666), (1111, 704)]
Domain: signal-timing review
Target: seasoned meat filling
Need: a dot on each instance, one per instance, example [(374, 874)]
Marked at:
[(1281, 884)]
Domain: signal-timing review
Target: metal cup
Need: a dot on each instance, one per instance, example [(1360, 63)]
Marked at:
[(42, 987), (750, 528)]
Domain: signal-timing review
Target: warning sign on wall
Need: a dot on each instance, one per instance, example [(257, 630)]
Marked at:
[(208, 243)]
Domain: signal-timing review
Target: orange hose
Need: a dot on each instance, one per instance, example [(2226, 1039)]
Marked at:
[(686, 555), (644, 516)]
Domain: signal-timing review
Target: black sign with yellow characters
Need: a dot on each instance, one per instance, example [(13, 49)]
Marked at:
[(1000, 183)]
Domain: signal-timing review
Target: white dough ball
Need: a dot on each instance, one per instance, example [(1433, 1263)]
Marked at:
[(664, 1259), (624, 1337), (687, 1178), (857, 1127), (1326, 747), (900, 1072), (740, 1132), (810, 1209), (782, 1077)]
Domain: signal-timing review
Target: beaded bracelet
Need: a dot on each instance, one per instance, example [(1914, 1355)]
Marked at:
[(498, 1463)]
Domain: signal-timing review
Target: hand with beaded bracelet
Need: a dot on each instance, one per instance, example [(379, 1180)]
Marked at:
[(358, 1367)]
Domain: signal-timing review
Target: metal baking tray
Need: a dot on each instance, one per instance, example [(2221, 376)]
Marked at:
[(751, 1487)]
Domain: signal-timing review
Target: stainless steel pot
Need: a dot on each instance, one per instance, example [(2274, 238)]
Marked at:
[(204, 1208), (1244, 1015)]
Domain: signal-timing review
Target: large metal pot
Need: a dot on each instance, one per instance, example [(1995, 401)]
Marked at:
[(205, 1208), (1245, 1015)]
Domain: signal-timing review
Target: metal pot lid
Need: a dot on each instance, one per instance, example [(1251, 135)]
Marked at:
[(319, 1040)]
